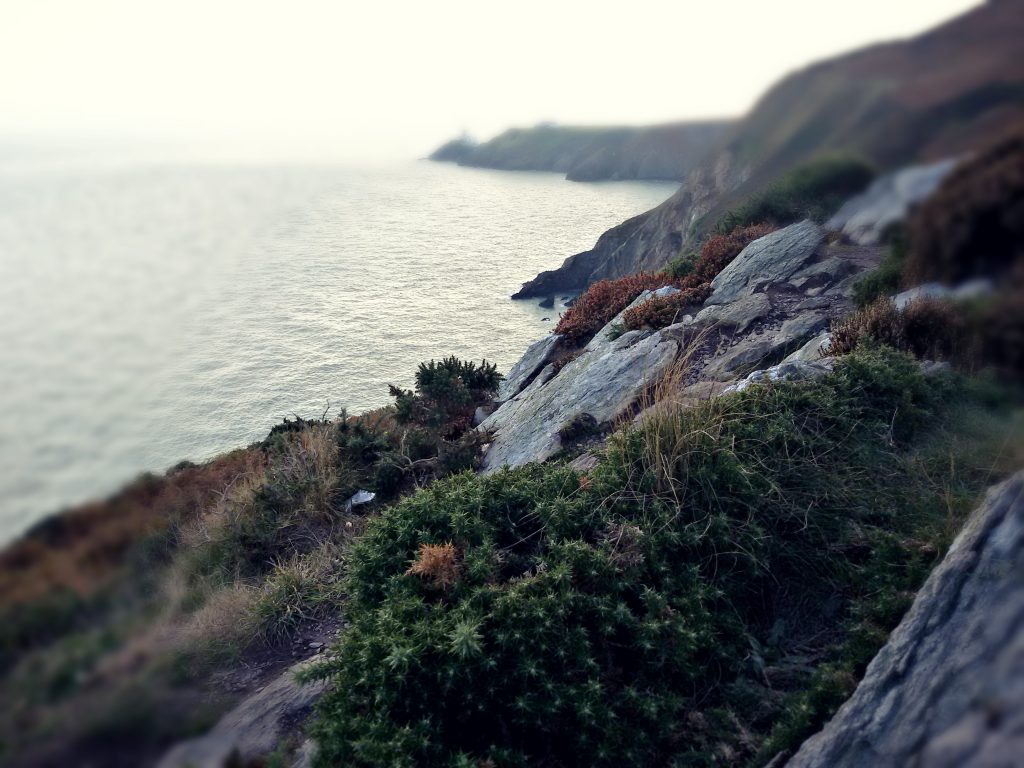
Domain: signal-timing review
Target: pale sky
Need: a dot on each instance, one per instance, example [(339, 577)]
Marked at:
[(373, 79)]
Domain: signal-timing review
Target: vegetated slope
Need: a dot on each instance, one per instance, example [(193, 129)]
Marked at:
[(945, 92), (668, 151)]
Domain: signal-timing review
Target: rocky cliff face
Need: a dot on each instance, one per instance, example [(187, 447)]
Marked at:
[(775, 297), (948, 688), (669, 152), (931, 97)]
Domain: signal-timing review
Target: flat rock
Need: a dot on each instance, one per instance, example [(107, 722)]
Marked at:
[(864, 218), (537, 355), (738, 315), (601, 382), (771, 259), (813, 350), (947, 690), (799, 328)]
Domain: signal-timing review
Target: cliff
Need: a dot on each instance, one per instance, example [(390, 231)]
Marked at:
[(669, 152), (934, 96)]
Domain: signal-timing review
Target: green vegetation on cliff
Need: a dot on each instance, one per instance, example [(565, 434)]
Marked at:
[(635, 615)]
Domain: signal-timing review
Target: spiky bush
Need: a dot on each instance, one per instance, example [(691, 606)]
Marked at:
[(534, 617), (601, 302)]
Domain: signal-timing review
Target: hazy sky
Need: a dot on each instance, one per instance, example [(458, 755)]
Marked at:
[(373, 79)]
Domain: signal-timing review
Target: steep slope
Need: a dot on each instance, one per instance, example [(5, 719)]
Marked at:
[(667, 152), (933, 96)]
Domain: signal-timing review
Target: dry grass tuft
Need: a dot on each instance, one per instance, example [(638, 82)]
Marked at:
[(436, 564)]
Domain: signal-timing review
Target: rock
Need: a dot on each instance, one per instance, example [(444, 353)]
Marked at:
[(737, 315), (771, 259), (547, 303), (480, 414), (615, 325), (602, 382), (947, 690), (970, 289), (746, 355), (935, 368), (584, 462), (813, 350), (818, 302), (796, 370), (253, 728), (801, 327), (865, 217), (822, 274), (925, 291), (305, 754), (536, 356)]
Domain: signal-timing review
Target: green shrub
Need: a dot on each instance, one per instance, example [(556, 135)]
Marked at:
[(530, 617), (814, 190), (681, 266)]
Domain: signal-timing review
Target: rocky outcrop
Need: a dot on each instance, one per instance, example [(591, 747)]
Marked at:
[(947, 690), (938, 95), (601, 384), (774, 258), (779, 293), (669, 152), (864, 218), (537, 355), (250, 730)]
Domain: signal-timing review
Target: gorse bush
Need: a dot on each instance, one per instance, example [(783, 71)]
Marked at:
[(695, 287), (601, 302), (814, 190), (534, 617)]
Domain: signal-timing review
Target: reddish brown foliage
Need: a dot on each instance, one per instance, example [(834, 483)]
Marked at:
[(603, 301), (974, 224), (81, 550), (437, 564)]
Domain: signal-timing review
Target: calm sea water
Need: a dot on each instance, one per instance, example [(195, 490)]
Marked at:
[(153, 314)]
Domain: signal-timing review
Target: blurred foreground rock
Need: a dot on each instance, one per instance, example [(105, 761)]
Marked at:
[(947, 690)]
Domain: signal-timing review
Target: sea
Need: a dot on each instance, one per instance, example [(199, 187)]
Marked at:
[(154, 312)]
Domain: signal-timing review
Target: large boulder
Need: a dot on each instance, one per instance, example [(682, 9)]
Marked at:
[(888, 200), (599, 385), (947, 690), (771, 259)]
